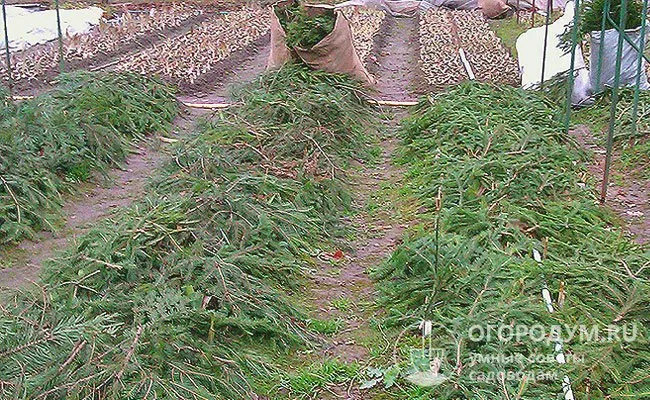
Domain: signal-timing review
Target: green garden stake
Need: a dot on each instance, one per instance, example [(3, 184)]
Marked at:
[(571, 80), (639, 66), (437, 242), (7, 52), (58, 27), (615, 95), (549, 10), (602, 41)]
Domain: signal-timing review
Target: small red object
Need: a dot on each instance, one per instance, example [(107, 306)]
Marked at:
[(338, 255)]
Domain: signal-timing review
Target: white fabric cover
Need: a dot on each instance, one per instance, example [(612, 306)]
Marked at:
[(28, 28), (530, 50)]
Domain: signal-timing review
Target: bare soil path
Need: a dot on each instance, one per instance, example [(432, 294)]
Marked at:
[(627, 196), (22, 264), (343, 291), (398, 69), (96, 200)]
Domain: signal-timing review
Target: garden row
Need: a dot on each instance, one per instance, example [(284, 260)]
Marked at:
[(109, 39), (494, 179), (184, 59), (444, 32), (182, 294), (179, 59), (366, 25), (50, 144)]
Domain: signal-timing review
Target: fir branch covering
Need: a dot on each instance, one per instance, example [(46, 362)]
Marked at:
[(171, 297), (511, 182), (48, 145)]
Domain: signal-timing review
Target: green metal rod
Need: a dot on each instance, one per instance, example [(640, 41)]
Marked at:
[(639, 65), (627, 38), (58, 27), (549, 10), (571, 80), (7, 51), (612, 113), (599, 66)]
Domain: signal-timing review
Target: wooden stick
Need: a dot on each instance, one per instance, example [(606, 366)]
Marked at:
[(104, 66), (466, 63), (168, 140), (216, 106), (377, 102), (209, 106), (559, 350), (391, 103)]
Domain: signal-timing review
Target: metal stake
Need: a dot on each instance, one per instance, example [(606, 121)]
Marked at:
[(615, 95), (629, 41), (7, 51), (639, 65), (58, 27), (549, 10), (571, 80), (600, 48), (532, 15), (517, 12)]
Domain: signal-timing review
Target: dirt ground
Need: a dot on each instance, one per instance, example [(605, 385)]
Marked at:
[(106, 61), (241, 67), (628, 198), (220, 4), (99, 198), (379, 232), (97, 201), (397, 64)]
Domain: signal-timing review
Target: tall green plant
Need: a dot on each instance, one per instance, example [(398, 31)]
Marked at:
[(593, 13), (304, 30)]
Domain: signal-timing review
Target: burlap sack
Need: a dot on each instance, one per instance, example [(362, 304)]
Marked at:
[(335, 53), (280, 53), (493, 8)]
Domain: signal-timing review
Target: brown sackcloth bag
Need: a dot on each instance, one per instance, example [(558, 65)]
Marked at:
[(493, 8), (335, 53)]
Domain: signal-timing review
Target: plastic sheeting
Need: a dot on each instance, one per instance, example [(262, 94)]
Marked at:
[(453, 4), (538, 5), (530, 49), (29, 28), (608, 67)]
